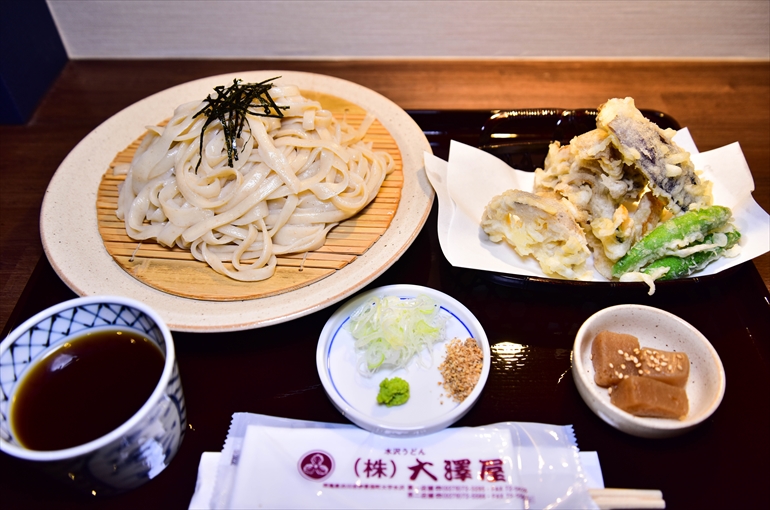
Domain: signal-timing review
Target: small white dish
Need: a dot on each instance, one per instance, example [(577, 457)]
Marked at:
[(657, 329), (429, 409)]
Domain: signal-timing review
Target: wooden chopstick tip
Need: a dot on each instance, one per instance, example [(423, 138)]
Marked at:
[(607, 499)]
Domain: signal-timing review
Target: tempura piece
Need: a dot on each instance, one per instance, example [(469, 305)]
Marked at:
[(604, 192), (589, 174), (671, 237), (542, 227), (669, 171), (618, 233), (714, 246)]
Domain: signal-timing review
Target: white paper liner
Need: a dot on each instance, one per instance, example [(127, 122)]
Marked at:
[(472, 177)]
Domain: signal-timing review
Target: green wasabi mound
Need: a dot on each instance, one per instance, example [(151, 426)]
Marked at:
[(393, 392)]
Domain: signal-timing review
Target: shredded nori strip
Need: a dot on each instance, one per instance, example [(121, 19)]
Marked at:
[(230, 107)]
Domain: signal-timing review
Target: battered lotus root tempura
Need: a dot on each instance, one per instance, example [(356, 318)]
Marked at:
[(539, 226)]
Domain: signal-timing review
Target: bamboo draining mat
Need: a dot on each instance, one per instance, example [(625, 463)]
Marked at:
[(175, 271)]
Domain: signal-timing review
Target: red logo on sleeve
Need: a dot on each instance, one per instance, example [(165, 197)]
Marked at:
[(316, 465)]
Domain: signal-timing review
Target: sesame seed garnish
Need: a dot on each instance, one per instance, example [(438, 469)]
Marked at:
[(461, 368)]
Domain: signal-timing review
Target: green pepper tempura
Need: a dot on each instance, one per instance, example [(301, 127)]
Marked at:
[(393, 392), (678, 233)]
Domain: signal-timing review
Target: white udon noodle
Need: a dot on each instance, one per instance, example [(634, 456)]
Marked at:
[(295, 178)]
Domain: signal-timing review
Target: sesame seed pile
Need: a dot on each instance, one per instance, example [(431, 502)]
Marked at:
[(461, 368)]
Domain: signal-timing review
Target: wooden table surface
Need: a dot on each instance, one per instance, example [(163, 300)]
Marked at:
[(720, 102)]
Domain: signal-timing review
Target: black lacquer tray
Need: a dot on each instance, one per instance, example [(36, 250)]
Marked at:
[(723, 463)]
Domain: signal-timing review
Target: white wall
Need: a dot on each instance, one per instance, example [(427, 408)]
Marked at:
[(413, 29)]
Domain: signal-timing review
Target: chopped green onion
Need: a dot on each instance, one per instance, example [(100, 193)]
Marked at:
[(391, 331)]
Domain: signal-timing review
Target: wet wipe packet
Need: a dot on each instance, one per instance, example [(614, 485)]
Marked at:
[(272, 462)]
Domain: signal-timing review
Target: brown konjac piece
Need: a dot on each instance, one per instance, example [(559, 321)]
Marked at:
[(615, 356), (665, 366), (643, 396)]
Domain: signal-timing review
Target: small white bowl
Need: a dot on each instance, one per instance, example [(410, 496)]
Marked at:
[(657, 329), (428, 409)]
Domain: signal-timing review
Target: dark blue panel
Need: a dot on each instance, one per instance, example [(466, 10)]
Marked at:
[(31, 57)]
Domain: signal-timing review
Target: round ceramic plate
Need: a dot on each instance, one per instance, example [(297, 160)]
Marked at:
[(71, 240), (428, 409)]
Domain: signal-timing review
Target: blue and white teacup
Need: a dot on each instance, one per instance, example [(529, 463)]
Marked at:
[(136, 451)]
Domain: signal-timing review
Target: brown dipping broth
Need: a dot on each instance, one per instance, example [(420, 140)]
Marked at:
[(84, 388)]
